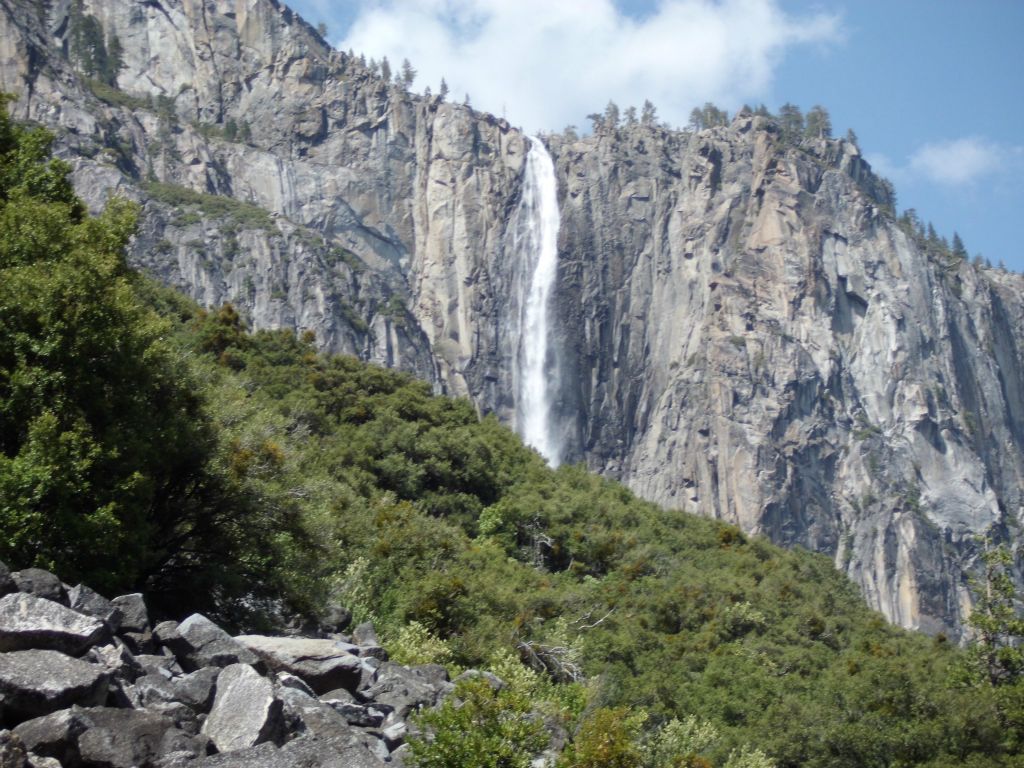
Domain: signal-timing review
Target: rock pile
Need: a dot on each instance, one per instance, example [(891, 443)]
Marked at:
[(90, 682)]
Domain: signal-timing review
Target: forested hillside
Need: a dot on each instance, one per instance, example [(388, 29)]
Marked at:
[(146, 443)]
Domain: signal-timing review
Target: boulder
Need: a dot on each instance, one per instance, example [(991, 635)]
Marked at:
[(54, 735), (167, 666), (7, 583), (90, 603), (27, 621), (321, 664), (362, 715), (197, 689), (245, 710), (38, 682), (36, 581), (365, 634), (404, 689), (198, 642), (134, 615), (130, 738), (117, 659), (304, 752), (288, 680)]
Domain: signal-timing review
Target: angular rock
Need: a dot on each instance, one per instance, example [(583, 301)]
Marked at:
[(166, 632), (38, 682), (404, 690), (12, 751), (7, 583), (38, 761), (166, 666), (337, 695), (335, 618), (362, 715), (36, 581), (288, 680), (27, 621), (126, 738), (54, 735), (90, 603), (197, 689), (134, 614), (321, 664), (201, 643), (365, 634), (117, 659), (245, 710), (153, 690), (139, 642), (304, 752)]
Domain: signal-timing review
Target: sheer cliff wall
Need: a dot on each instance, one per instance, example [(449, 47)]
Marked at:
[(744, 329)]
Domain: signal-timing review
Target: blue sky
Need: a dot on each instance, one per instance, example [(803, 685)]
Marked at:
[(933, 88)]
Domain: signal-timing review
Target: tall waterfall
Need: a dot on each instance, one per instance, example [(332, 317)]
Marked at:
[(536, 253)]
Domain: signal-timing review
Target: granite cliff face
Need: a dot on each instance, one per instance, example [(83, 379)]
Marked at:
[(744, 330)]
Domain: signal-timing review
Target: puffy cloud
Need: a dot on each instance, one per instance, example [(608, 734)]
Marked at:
[(958, 162), (547, 64)]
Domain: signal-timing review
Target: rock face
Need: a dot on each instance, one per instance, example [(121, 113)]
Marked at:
[(744, 329)]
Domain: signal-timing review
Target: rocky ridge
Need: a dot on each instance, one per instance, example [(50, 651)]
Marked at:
[(88, 682), (745, 329)]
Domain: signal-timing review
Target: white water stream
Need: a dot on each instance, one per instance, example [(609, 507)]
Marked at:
[(536, 238)]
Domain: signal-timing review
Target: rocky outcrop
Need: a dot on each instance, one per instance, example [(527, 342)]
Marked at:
[(744, 329), (104, 705)]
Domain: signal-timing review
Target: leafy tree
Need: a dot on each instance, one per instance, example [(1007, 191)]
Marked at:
[(108, 460), (479, 725), (997, 651)]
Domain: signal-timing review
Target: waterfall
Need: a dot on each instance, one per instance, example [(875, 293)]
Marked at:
[(536, 253)]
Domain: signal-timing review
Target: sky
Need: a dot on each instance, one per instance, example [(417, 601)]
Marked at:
[(934, 89)]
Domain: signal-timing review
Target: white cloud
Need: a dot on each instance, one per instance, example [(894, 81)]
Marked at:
[(546, 64), (957, 162)]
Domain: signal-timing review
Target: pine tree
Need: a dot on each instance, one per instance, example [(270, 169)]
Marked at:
[(818, 124), (958, 250), (385, 69), (443, 90), (648, 114), (408, 74)]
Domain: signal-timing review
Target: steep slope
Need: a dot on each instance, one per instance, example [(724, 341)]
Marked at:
[(745, 331)]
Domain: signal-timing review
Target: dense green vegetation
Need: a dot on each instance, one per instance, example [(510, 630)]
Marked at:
[(145, 443)]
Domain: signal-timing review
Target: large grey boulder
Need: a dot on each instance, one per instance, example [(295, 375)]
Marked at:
[(54, 735), (198, 642), (406, 690), (38, 682), (245, 710), (85, 600), (320, 663), (129, 738), (197, 689), (36, 581), (134, 614), (304, 752), (27, 621)]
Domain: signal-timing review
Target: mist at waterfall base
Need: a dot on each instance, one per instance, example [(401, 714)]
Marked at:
[(535, 249)]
